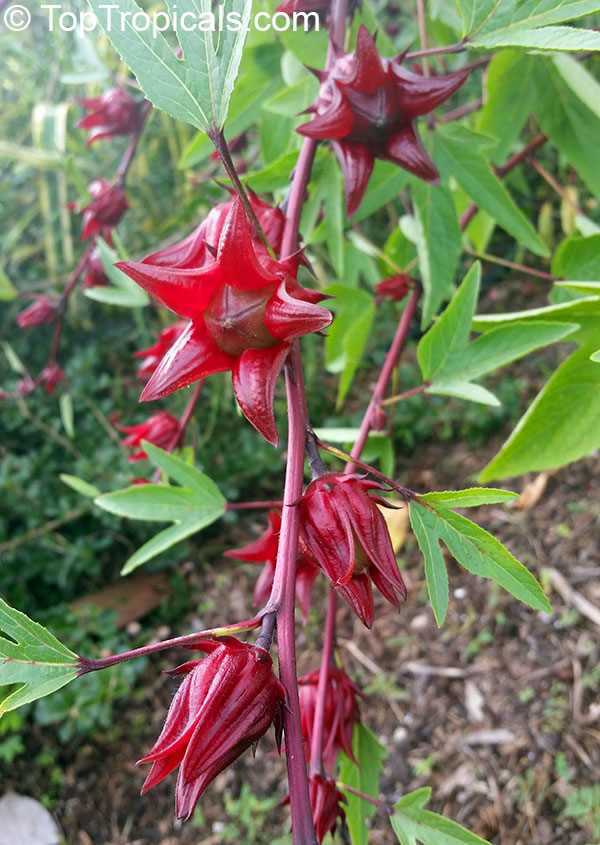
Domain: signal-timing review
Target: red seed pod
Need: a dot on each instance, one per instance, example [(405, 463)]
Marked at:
[(396, 287), (347, 536), (153, 355), (244, 310), (226, 702), (326, 804), (95, 277), (367, 107), (51, 376), (379, 419), (42, 310), (102, 214), (159, 429), (341, 713), (265, 550), (114, 113)]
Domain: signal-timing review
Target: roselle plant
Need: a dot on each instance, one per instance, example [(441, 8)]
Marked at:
[(256, 276)]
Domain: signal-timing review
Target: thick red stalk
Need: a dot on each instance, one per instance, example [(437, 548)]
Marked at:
[(316, 746), (385, 375), (283, 597)]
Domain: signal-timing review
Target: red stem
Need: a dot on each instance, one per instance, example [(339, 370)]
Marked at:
[(385, 375), (244, 506), (316, 746), (460, 47), (62, 307), (90, 664), (283, 599), (129, 154)]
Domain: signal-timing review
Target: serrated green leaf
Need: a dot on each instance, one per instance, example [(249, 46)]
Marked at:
[(184, 474), (79, 485), (572, 127), (474, 548), (438, 244), (502, 346), (561, 424), (567, 38), (412, 823), (195, 89), (456, 156), (450, 333), (504, 115), (32, 658), (191, 507), (365, 777), (578, 258), (471, 498), (424, 526)]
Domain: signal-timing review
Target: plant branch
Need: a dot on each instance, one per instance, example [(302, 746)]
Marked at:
[(244, 506), (91, 664), (385, 375), (555, 186), (391, 400), (282, 600), (505, 262), (218, 139), (459, 47), (351, 460), (131, 150)]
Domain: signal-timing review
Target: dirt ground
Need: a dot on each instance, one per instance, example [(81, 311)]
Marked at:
[(498, 711)]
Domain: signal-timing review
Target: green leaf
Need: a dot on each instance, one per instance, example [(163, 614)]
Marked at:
[(412, 823), (504, 115), (354, 311), (65, 404), (471, 498), (472, 547), (424, 526), (595, 356), (7, 290), (561, 424), (364, 777), (563, 113), (568, 38), (197, 88), (32, 658), (385, 184), (530, 24), (438, 244), (449, 363), (457, 155), (79, 485), (191, 507), (578, 258), (122, 291), (475, 12), (450, 333)]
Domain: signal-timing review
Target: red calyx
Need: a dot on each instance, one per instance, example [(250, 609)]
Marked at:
[(341, 713), (346, 535), (265, 550), (159, 429), (225, 703), (102, 214), (244, 310), (114, 113), (367, 107), (41, 311)]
